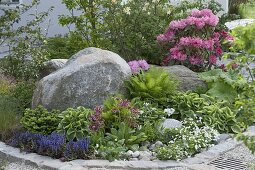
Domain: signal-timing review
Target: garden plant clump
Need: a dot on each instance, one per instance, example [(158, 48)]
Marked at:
[(132, 126), (194, 41)]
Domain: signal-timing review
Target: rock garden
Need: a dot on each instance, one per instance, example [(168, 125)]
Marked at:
[(156, 95)]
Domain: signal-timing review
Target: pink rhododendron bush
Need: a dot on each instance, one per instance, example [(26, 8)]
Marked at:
[(194, 41)]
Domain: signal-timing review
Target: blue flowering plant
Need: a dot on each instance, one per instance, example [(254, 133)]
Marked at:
[(53, 145), (77, 149)]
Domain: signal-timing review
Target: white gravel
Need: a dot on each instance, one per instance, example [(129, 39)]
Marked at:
[(18, 166)]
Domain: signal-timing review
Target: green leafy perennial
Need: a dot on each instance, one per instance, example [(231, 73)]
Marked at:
[(74, 123), (155, 85)]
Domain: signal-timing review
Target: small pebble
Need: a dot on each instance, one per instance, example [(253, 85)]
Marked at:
[(136, 154), (159, 143), (152, 147), (145, 155), (129, 153)]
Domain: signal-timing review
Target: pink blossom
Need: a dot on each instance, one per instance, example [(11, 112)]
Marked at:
[(190, 20), (196, 60), (216, 35), (161, 37), (208, 44), (213, 21), (176, 54), (195, 13), (212, 59), (190, 41), (218, 51), (199, 23), (134, 66), (175, 25), (167, 36), (143, 64), (206, 12), (229, 38)]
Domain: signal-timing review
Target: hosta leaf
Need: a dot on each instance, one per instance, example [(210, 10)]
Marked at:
[(222, 91)]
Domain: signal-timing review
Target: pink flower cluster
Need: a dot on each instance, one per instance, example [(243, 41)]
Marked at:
[(198, 18), (136, 66), (200, 45), (197, 42)]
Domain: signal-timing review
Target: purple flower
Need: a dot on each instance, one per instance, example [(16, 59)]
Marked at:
[(134, 65), (124, 103), (77, 150), (143, 64)]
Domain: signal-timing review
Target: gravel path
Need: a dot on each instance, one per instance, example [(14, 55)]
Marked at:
[(17, 166)]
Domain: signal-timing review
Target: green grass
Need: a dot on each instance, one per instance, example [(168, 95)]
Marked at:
[(8, 113), (247, 10), (9, 117)]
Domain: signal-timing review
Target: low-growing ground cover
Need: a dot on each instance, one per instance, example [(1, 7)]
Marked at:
[(132, 126)]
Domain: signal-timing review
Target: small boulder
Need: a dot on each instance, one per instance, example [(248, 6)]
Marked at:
[(159, 143), (87, 79), (51, 66), (189, 80), (145, 155), (129, 153), (171, 123), (136, 154)]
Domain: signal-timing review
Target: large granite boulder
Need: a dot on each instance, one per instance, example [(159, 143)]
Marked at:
[(51, 66), (86, 80), (189, 80)]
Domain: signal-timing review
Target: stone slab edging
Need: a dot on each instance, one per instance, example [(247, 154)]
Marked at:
[(10, 154)]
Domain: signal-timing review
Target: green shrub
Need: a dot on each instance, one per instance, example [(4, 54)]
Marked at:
[(74, 124), (244, 38), (247, 10), (64, 46), (139, 22), (23, 93), (40, 120), (26, 54), (5, 87), (235, 4), (245, 105), (155, 86)]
